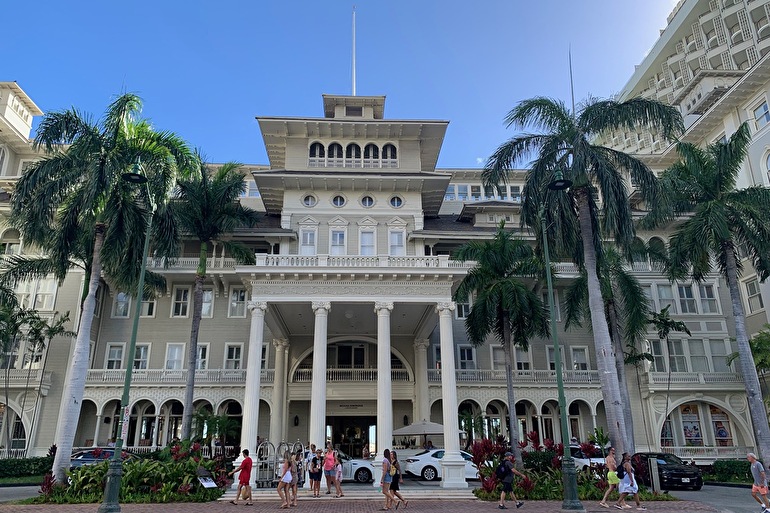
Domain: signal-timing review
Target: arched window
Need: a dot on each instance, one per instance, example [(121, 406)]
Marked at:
[(371, 155), (335, 155), (353, 155), (389, 156), (10, 243), (316, 155)]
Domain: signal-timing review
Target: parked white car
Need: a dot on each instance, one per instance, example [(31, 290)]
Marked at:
[(583, 462), (356, 469), (427, 465)]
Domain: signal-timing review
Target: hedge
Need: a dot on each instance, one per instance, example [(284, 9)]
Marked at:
[(20, 467)]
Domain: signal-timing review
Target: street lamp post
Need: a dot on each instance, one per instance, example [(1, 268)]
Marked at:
[(571, 501), (111, 502)]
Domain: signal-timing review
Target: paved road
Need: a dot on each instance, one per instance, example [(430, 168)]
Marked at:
[(15, 493), (724, 499)]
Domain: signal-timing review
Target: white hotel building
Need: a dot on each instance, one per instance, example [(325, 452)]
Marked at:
[(345, 327)]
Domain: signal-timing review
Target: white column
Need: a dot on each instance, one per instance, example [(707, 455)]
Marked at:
[(452, 464), (285, 387), (421, 409), (96, 430), (277, 434), (384, 387), (318, 384)]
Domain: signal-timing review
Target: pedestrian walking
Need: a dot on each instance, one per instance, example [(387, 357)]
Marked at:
[(508, 471), (612, 476), (338, 476), (328, 466), (759, 487), (398, 479), (316, 463), (628, 485), (386, 479), (244, 479), (296, 465), (285, 481)]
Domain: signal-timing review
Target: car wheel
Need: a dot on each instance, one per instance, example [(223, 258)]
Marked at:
[(429, 473), (697, 486), (363, 476)]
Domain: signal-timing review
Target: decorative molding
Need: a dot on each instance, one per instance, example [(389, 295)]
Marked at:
[(321, 305), (421, 344), (280, 343), (374, 288), (444, 307), (253, 306), (383, 305)]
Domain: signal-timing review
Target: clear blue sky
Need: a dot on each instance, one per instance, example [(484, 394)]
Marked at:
[(205, 69)]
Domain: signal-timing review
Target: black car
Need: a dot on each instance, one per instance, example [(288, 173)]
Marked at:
[(672, 471)]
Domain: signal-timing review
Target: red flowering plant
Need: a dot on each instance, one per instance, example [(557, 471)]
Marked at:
[(486, 455)]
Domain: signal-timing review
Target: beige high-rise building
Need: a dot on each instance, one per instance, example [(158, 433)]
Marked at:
[(345, 328)]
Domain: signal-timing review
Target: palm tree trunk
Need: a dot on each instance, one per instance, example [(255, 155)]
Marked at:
[(7, 421), (513, 431), (26, 392), (76, 379), (757, 408), (605, 356), (192, 353), (620, 364), (37, 396)]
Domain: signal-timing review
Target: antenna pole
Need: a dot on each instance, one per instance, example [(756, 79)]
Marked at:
[(571, 83), (354, 50)]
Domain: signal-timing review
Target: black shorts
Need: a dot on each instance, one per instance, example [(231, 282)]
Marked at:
[(394, 484), (507, 487), (315, 476)]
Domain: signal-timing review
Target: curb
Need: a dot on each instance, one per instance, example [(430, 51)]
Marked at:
[(727, 485)]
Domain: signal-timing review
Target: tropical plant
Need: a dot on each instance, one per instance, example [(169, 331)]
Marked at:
[(74, 205), (626, 307), (503, 305), (207, 209), (760, 351), (12, 320), (596, 205), (719, 219)]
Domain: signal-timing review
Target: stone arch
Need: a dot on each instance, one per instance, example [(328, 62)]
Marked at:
[(579, 420), (739, 428), (86, 427), (496, 416)]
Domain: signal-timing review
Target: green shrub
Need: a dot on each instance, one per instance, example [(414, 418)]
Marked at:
[(17, 467), (732, 470)]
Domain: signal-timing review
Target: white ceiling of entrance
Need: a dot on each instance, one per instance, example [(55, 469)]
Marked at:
[(357, 319)]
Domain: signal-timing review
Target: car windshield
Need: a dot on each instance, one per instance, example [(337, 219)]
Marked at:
[(668, 459), (342, 455), (421, 453)]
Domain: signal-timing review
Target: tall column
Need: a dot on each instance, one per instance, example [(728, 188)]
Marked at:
[(421, 410), (277, 434), (384, 387), (318, 384), (96, 430), (452, 464), (253, 379), (285, 386)]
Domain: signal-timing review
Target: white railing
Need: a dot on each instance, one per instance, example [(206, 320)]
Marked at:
[(709, 453), (190, 263), (13, 453), (19, 377), (179, 377), (572, 377), (692, 378), (304, 375), (348, 261)]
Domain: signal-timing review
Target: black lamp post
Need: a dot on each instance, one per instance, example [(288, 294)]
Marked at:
[(111, 502), (571, 500)]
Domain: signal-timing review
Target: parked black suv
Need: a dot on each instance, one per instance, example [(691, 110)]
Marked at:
[(672, 471)]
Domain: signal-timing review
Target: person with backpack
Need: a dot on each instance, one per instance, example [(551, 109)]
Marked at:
[(628, 485), (505, 472)]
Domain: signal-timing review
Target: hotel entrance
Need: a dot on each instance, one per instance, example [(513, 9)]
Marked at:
[(351, 433)]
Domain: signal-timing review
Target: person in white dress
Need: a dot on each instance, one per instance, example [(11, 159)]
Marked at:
[(628, 485)]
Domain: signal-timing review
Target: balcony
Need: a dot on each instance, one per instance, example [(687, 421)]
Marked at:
[(357, 261), (336, 375), (225, 377), (23, 378), (520, 378), (707, 455), (686, 380), (190, 263)]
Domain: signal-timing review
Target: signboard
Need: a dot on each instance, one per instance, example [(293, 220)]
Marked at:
[(126, 417)]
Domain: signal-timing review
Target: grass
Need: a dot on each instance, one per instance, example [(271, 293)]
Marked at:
[(22, 480)]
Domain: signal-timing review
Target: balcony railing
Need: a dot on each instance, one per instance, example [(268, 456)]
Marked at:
[(304, 375), (695, 378), (20, 377), (708, 454), (528, 378), (190, 263), (348, 261), (176, 377)]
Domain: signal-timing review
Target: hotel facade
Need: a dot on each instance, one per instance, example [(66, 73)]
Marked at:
[(345, 328)]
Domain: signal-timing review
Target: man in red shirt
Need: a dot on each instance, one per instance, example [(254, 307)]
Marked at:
[(243, 479)]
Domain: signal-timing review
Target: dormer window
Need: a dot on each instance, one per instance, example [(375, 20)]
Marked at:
[(389, 156), (353, 155), (317, 155), (354, 112)]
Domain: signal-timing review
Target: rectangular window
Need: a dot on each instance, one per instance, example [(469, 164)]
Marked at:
[(676, 357), (437, 356), (45, 293), (397, 247), (202, 360), (516, 193), (367, 243), (207, 307), (450, 193), (698, 359), (462, 310), (337, 243), (307, 242), (754, 296), (114, 356), (666, 297), (233, 356), (580, 358), (498, 358), (237, 303), (523, 362), (658, 358), (466, 358), (141, 356), (686, 299), (476, 192), (122, 306), (174, 356), (489, 192), (761, 115), (719, 351), (556, 312), (148, 308), (181, 302), (551, 355), (263, 359), (708, 300), (462, 192)]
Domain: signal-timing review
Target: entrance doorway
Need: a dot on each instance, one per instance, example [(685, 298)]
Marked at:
[(350, 434)]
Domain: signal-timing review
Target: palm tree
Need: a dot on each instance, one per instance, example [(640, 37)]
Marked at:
[(719, 219), (207, 209), (760, 351), (597, 204), (626, 307), (503, 305), (12, 319), (73, 204)]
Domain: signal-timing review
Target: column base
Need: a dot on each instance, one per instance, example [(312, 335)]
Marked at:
[(377, 474), (453, 473)]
